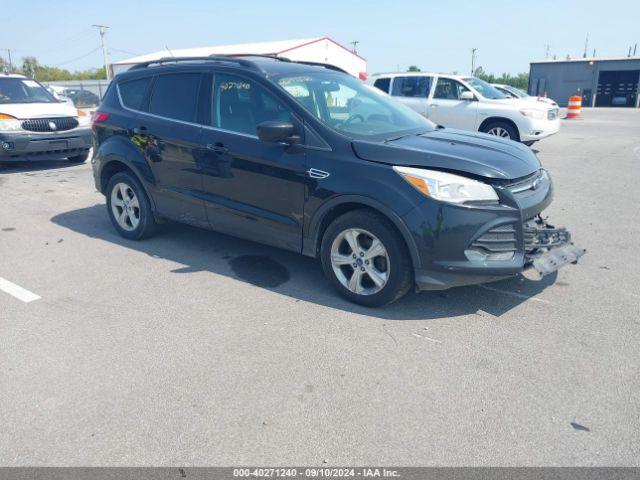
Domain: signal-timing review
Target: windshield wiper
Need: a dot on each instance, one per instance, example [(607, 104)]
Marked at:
[(393, 139)]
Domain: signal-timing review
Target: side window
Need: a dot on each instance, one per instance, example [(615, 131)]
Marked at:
[(132, 92), (414, 86), (383, 84), (239, 105), (449, 89), (175, 96)]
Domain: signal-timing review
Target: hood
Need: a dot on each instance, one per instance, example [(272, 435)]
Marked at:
[(479, 154), (38, 110)]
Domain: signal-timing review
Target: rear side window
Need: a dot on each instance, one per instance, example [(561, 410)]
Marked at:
[(382, 84), (132, 92), (411, 86), (175, 96)]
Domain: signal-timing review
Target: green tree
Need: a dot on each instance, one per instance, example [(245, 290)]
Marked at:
[(4, 65), (413, 68), (29, 66), (521, 80), (32, 68)]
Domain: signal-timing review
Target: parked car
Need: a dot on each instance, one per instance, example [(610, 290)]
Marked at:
[(272, 151), (82, 98), (513, 92), (469, 103), (34, 125), (59, 96)]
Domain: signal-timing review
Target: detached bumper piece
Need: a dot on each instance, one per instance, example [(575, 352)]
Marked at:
[(547, 248)]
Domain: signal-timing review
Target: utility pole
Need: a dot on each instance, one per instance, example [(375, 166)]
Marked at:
[(105, 55), (8, 50), (354, 46), (473, 60), (586, 46), (547, 51)]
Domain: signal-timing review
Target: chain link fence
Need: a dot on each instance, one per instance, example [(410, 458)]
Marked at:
[(82, 93)]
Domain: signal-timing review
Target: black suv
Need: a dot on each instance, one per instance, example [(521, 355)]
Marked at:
[(312, 160)]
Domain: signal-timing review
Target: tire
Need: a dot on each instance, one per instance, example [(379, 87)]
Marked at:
[(502, 129), (138, 221), (393, 267), (79, 158)]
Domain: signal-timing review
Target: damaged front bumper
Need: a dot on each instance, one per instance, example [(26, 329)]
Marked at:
[(547, 248)]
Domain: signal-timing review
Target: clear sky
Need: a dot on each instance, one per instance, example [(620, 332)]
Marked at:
[(435, 35)]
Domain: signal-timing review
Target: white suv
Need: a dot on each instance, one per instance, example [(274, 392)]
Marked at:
[(34, 125), (468, 103)]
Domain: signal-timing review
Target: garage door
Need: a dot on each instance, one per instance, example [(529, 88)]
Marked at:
[(617, 88)]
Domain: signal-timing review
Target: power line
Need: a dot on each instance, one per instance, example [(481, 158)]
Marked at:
[(123, 51), (77, 58)]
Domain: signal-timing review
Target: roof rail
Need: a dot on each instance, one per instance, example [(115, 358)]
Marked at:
[(211, 58), (272, 56), (234, 58), (320, 64)]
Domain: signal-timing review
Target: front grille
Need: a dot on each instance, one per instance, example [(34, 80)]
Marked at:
[(530, 182), (553, 113), (500, 239), (50, 124)]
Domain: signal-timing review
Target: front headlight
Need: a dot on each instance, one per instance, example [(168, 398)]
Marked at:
[(447, 187), (533, 113), (84, 120), (9, 123)]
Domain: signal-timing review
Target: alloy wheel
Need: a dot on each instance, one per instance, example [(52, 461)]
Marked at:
[(499, 132), (360, 261), (125, 206)]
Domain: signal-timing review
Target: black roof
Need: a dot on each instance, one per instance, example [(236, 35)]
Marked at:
[(266, 64)]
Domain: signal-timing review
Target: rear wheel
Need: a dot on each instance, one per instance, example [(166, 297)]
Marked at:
[(502, 130), (129, 208), (365, 259)]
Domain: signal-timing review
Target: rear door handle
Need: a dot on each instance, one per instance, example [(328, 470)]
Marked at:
[(217, 147)]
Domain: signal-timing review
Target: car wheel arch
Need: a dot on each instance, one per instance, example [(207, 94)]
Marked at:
[(490, 120), (115, 165), (338, 206)]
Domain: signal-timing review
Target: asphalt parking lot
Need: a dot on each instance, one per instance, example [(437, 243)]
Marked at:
[(194, 348)]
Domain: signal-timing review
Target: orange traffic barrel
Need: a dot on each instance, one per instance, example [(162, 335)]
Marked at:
[(574, 107)]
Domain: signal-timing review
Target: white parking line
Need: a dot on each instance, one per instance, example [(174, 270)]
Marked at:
[(17, 291), (513, 294)]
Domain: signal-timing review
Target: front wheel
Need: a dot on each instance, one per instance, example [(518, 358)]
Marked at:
[(366, 259), (502, 130)]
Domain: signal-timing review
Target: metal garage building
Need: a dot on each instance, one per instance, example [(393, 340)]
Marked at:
[(318, 49), (602, 82)]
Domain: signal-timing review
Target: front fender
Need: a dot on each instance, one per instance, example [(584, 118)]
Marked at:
[(311, 240)]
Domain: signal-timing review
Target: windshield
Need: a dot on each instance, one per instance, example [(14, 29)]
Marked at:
[(23, 90), (485, 89), (351, 107)]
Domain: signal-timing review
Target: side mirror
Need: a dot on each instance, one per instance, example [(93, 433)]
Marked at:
[(275, 131), (467, 95)]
